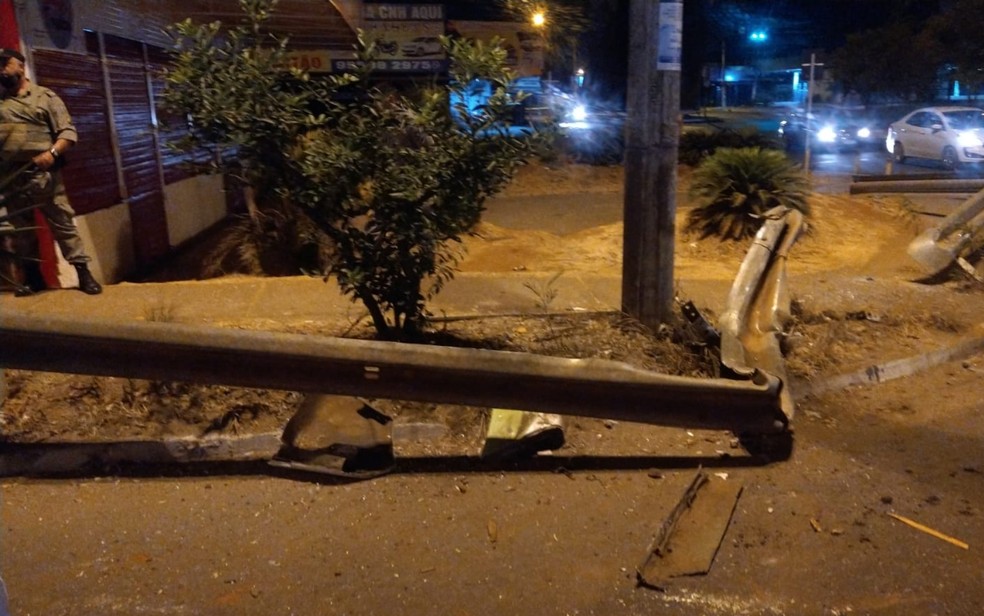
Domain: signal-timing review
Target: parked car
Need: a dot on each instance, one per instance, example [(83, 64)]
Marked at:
[(951, 135), (423, 46), (827, 128)]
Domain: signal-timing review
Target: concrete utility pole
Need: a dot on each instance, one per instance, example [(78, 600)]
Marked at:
[(652, 138)]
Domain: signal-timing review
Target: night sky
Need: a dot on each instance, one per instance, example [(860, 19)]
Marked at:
[(796, 28)]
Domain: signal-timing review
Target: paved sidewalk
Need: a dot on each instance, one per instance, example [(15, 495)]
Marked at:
[(300, 298)]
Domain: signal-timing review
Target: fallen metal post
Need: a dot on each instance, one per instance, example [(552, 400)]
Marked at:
[(584, 387)]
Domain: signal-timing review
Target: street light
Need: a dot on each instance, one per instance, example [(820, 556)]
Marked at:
[(539, 19), (758, 37)]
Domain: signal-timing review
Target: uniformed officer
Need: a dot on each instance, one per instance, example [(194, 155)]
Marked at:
[(35, 127)]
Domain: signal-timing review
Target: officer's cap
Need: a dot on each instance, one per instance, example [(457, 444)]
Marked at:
[(6, 54)]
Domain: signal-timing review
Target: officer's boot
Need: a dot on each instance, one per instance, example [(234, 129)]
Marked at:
[(33, 278), (87, 284)]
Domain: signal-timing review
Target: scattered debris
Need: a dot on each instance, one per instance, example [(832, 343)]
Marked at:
[(863, 315), (341, 436), (514, 434), (688, 540), (930, 531), (702, 327)]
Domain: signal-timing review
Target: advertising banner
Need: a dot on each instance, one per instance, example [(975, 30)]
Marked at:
[(406, 35), (523, 44), (51, 24)]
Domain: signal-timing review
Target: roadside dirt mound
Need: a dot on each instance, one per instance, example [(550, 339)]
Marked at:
[(843, 233)]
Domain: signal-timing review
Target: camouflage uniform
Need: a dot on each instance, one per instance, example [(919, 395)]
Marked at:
[(29, 125)]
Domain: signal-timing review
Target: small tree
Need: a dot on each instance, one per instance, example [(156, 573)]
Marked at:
[(735, 186), (394, 179), (241, 103)]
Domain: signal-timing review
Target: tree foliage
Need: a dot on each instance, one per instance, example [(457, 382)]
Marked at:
[(959, 32), (897, 61), (394, 178), (697, 145), (734, 187), (905, 59), (238, 96)]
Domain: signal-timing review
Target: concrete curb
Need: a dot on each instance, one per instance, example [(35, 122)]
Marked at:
[(34, 459)]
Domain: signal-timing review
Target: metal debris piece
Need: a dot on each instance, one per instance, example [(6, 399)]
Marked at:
[(968, 267), (701, 325), (337, 435), (689, 538), (521, 434)]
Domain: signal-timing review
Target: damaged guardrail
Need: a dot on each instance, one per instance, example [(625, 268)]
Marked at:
[(582, 387), (939, 247), (759, 303)]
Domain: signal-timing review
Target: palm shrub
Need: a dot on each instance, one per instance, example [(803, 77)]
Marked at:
[(734, 187), (395, 179)]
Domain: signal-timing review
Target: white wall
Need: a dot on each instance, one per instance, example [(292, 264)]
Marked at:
[(108, 238), (192, 206)]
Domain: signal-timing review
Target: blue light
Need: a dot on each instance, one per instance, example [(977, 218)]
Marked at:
[(759, 36)]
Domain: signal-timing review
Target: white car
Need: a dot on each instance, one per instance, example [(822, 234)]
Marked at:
[(951, 135), (423, 46)]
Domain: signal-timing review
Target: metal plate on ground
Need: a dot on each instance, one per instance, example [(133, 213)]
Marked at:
[(690, 537)]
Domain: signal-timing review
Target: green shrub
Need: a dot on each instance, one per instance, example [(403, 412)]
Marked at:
[(734, 187), (697, 145)]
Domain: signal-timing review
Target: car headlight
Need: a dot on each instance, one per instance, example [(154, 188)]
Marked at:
[(827, 134), (579, 113), (864, 133), (969, 140)]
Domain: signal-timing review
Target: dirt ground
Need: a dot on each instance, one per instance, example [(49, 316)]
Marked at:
[(562, 534)]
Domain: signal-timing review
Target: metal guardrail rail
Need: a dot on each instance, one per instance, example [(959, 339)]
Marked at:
[(581, 387), (917, 186), (758, 303)]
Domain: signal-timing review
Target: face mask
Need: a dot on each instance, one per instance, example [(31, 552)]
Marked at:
[(9, 81)]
